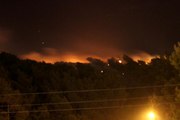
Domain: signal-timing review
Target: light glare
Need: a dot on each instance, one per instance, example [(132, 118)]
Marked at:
[(151, 116)]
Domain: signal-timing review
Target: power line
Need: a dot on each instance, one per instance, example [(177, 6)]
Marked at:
[(90, 90), (87, 101), (84, 108), (68, 109)]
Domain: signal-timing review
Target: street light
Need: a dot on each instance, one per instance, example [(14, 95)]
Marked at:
[(151, 115)]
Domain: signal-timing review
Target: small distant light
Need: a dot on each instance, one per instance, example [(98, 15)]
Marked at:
[(120, 61), (122, 73), (108, 65), (42, 43), (102, 71)]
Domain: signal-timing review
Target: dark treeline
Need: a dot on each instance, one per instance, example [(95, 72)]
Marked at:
[(58, 96)]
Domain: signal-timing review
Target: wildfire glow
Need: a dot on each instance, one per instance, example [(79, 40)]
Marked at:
[(54, 58), (51, 55), (143, 56)]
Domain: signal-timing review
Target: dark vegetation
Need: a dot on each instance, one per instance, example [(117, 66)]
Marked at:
[(31, 90)]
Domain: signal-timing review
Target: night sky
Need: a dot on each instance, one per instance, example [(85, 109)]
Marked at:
[(72, 30)]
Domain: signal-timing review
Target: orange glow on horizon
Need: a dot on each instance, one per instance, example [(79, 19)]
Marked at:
[(53, 56), (143, 56)]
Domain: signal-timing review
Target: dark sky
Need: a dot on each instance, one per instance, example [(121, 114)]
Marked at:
[(76, 29)]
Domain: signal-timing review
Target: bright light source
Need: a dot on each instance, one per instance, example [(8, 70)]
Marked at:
[(151, 115), (120, 61)]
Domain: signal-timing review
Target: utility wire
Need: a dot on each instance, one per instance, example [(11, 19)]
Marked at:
[(86, 101), (84, 108), (90, 90)]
